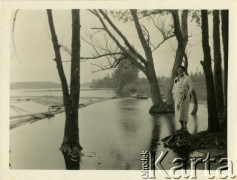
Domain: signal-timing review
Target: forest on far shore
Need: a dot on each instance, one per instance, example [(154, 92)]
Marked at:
[(127, 84)]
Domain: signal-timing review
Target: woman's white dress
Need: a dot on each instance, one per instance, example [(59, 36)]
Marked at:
[(182, 89)]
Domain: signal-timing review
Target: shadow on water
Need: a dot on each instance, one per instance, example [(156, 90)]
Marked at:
[(159, 122), (155, 134), (130, 124), (154, 140), (72, 164), (195, 120), (163, 126), (112, 133), (128, 110), (183, 153)]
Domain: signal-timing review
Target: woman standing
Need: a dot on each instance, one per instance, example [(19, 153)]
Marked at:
[(182, 90)]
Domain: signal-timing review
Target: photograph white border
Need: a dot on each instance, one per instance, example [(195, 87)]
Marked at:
[(7, 6)]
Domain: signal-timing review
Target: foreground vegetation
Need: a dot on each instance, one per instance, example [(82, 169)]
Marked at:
[(198, 145)]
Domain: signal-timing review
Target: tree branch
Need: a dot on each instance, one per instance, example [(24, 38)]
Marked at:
[(145, 45), (157, 26), (123, 49), (92, 43), (143, 60), (178, 33), (112, 65), (13, 29), (65, 48), (58, 58), (108, 51), (148, 35), (144, 14), (162, 42), (165, 35), (101, 55)]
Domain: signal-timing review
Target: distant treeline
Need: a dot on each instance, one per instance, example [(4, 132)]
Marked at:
[(142, 86), (39, 85), (34, 85), (110, 81), (106, 82)]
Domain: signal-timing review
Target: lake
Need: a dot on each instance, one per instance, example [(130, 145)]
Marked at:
[(85, 92), (113, 134)]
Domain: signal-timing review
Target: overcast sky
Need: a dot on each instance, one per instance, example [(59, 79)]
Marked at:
[(35, 51)]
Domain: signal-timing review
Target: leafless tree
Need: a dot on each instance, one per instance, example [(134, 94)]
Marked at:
[(181, 34), (225, 39), (213, 121), (144, 63), (70, 146), (217, 62)]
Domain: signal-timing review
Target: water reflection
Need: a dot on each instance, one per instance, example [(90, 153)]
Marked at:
[(155, 134), (194, 118), (128, 110), (72, 161), (155, 137), (113, 134), (193, 128), (162, 124), (132, 127), (170, 120)]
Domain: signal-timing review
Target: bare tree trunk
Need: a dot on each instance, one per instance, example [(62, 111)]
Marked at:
[(181, 33), (70, 146), (158, 106), (178, 56), (184, 20), (225, 39), (217, 63), (195, 103), (58, 59), (145, 64), (213, 121)]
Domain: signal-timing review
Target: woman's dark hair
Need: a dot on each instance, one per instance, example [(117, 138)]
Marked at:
[(182, 67)]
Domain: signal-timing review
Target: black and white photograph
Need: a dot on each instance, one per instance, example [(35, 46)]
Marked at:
[(144, 89)]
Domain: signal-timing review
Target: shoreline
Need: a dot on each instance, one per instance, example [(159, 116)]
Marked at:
[(104, 143), (50, 101), (18, 120)]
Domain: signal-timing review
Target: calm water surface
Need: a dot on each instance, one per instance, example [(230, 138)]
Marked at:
[(85, 92), (113, 133)]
